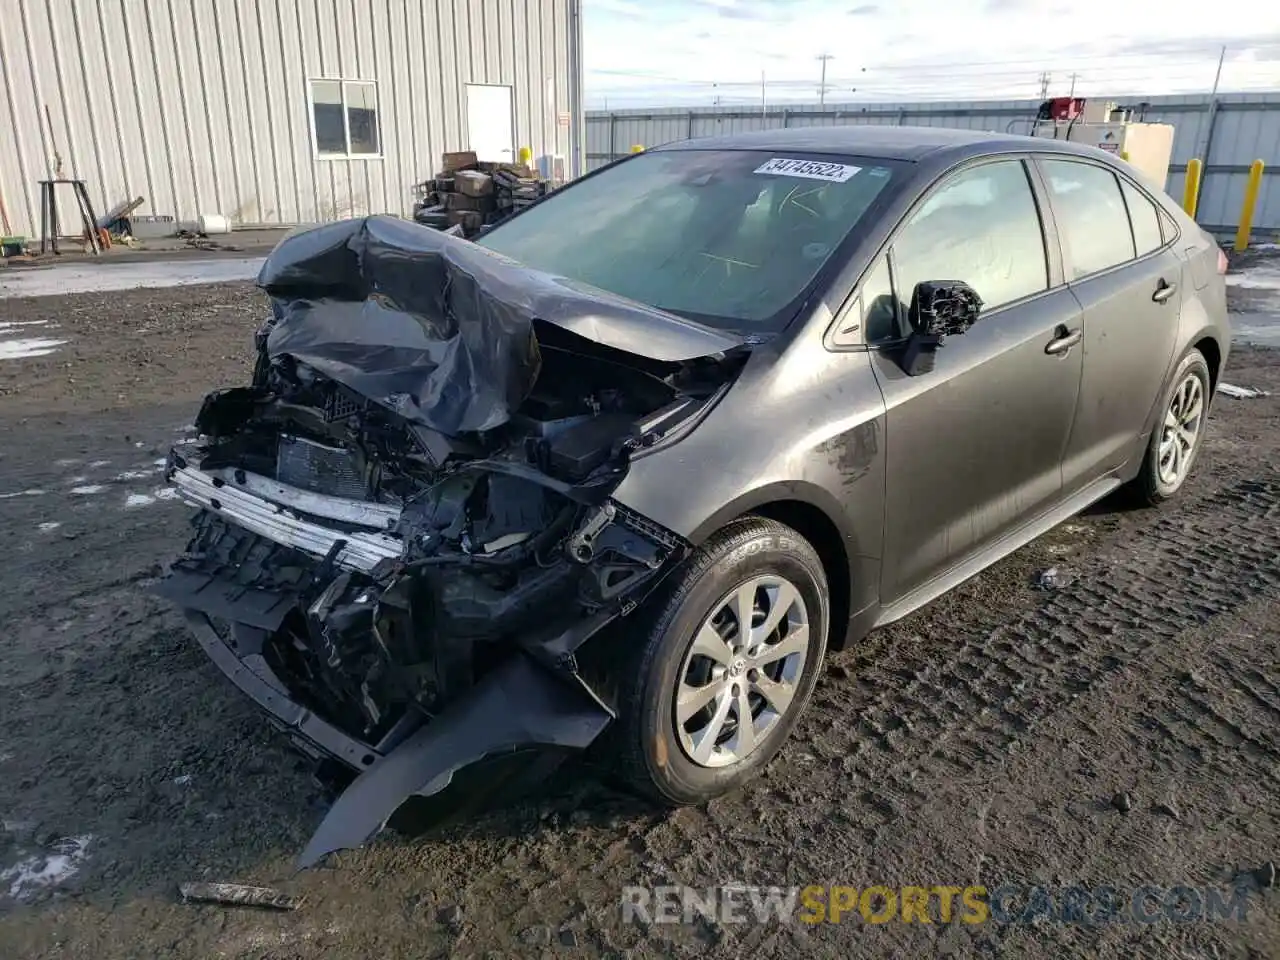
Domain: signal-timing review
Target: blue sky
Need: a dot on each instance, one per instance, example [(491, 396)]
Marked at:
[(698, 52)]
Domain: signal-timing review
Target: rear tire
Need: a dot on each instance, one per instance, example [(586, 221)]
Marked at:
[(692, 674), (1178, 434)]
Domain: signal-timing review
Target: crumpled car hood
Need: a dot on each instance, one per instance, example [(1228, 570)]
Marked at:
[(438, 329)]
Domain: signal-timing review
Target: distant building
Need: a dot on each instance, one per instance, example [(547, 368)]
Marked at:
[(276, 111)]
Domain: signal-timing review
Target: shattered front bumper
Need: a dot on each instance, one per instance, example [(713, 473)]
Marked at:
[(536, 698)]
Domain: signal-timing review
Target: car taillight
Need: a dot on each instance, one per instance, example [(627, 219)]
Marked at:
[(1222, 262)]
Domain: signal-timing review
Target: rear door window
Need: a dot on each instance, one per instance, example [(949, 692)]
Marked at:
[(1144, 217), (980, 226), (1091, 215)]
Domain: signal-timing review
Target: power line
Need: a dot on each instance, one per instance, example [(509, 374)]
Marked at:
[(954, 74)]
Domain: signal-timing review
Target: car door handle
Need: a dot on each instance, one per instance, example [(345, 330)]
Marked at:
[(1164, 290), (1063, 340)]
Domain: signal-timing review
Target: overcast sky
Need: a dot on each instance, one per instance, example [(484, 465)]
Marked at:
[(695, 52)]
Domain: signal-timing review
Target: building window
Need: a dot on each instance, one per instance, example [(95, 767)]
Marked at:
[(345, 118)]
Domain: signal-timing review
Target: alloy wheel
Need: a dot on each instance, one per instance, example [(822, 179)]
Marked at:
[(742, 671), (1180, 433)]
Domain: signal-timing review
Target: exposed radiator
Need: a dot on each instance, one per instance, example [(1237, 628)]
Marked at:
[(320, 469)]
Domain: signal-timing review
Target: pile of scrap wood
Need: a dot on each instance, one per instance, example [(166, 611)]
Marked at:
[(471, 194)]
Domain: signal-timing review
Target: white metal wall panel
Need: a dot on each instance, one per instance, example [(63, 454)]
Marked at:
[(1246, 128), (202, 106)]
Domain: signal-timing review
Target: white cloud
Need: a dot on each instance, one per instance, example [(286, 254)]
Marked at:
[(685, 52)]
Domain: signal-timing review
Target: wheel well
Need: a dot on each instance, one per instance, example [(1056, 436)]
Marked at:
[(1213, 357), (816, 527)]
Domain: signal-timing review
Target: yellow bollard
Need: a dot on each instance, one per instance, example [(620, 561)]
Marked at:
[(1191, 187), (638, 148), (526, 156), (1250, 201)]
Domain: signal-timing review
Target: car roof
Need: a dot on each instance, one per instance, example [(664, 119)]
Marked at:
[(882, 142)]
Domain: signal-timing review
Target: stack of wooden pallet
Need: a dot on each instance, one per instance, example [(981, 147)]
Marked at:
[(470, 194)]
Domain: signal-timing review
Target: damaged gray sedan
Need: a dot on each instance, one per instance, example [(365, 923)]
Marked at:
[(621, 472)]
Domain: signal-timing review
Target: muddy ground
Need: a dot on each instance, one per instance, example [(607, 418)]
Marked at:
[(981, 741)]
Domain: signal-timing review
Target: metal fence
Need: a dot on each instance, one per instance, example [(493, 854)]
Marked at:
[(1228, 133)]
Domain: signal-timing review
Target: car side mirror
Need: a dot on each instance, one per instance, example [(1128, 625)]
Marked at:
[(939, 309)]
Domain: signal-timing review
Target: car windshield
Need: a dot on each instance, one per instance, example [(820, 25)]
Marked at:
[(731, 239)]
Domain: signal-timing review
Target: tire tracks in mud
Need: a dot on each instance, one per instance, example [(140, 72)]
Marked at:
[(957, 713)]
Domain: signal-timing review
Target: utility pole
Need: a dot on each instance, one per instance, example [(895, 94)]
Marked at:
[(1074, 77), (1212, 107), (1044, 85), (764, 106), (1218, 76), (822, 84)]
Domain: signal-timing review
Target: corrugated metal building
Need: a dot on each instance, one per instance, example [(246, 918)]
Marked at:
[(276, 111)]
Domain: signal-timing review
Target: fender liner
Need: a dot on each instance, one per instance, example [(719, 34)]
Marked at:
[(519, 704)]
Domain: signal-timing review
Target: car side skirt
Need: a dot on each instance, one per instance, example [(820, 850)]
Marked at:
[(997, 550)]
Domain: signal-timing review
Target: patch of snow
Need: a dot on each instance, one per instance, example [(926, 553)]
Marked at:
[(65, 463), (79, 479), (165, 493), (91, 489), (1262, 277), (34, 347), (134, 475), (40, 871), (139, 500), (161, 462), (103, 278), (183, 780), (12, 325), (48, 526), (100, 463), (22, 493)]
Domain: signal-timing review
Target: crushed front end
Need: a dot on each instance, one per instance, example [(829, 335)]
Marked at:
[(405, 534)]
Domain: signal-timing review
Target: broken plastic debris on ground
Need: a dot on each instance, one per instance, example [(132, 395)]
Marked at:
[(239, 895), (1241, 393)]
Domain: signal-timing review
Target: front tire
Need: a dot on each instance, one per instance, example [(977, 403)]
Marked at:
[(1178, 434), (704, 705)]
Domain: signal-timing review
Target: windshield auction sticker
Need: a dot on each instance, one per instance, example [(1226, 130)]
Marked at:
[(808, 169)]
